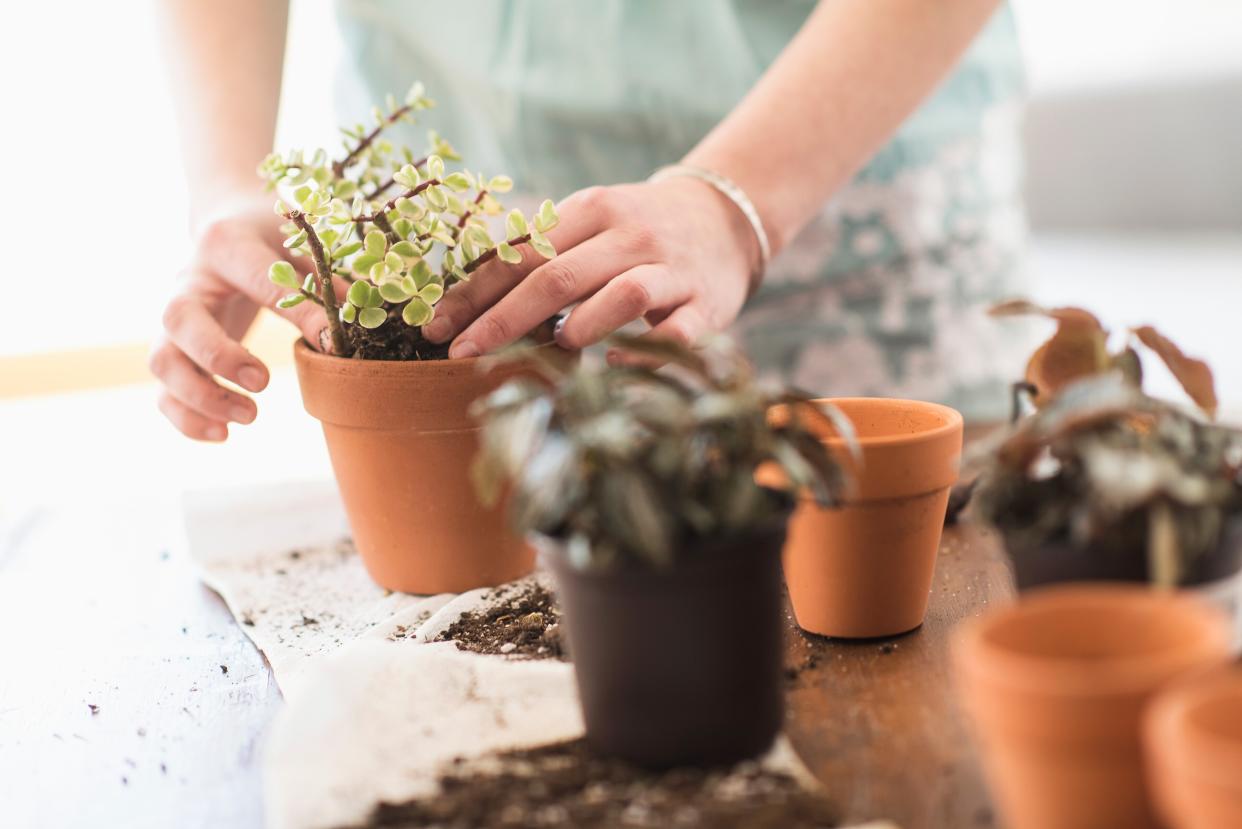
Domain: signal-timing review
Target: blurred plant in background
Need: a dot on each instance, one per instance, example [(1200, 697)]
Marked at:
[(1103, 465), (628, 464)]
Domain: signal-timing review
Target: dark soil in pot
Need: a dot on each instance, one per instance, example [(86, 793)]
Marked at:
[(1060, 561), (397, 341), (393, 341), (567, 785), (680, 666)]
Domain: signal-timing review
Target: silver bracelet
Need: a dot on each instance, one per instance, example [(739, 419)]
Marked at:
[(733, 193)]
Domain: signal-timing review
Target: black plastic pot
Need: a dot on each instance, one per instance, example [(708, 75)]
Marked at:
[(1060, 561), (679, 666)]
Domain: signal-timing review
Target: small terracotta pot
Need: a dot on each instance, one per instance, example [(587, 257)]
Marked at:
[(1056, 686), (401, 442), (865, 569), (679, 666), (1193, 742)]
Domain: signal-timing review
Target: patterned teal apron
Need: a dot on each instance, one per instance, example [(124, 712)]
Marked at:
[(882, 294)]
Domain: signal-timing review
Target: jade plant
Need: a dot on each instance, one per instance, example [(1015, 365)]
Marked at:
[(392, 229), (1104, 466), (631, 464)]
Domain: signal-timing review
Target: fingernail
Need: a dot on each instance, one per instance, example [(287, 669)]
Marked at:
[(241, 414), (251, 378), (437, 329), (460, 351), (559, 327), (216, 432)]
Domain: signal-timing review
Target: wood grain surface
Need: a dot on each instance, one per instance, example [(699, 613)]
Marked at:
[(876, 720)]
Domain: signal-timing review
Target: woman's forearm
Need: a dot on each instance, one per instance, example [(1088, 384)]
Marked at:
[(837, 92), (225, 59)]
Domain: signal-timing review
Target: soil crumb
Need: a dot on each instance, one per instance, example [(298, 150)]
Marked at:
[(803, 657), (565, 785), (520, 622)]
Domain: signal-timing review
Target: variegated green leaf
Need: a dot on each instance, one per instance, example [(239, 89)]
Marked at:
[(417, 312), (372, 317), (283, 274), (508, 253), (515, 223)]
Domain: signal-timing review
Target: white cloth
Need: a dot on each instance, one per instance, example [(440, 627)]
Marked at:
[(375, 706)]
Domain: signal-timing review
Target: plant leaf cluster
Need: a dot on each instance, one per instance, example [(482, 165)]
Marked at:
[(628, 465), (1079, 349), (392, 228), (1103, 465)]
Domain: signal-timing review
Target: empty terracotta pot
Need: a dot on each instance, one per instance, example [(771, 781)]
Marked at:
[(1193, 743), (1056, 686), (865, 569), (401, 442), (679, 666)]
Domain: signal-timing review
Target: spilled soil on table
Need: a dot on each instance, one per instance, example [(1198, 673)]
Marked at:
[(565, 785), (521, 622)]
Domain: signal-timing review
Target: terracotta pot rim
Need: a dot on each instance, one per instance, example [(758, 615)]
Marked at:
[(978, 653), (953, 421), (1188, 745), (379, 367)]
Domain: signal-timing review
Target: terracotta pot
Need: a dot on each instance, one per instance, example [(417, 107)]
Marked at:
[(401, 442), (865, 569), (1193, 742), (1056, 686), (679, 666)]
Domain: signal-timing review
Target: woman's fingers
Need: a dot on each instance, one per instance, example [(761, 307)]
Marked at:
[(189, 422), (242, 258), (583, 215), (192, 329), (639, 292), (573, 275), (464, 302), (685, 326), (194, 388)]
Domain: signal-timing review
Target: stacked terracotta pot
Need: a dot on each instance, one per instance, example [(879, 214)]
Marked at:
[(1193, 742), (1057, 686)]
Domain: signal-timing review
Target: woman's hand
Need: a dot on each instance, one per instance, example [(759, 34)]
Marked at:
[(221, 291), (675, 253)]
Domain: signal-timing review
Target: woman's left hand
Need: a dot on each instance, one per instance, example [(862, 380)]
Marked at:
[(675, 253)]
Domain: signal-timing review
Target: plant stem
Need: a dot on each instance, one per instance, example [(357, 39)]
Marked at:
[(324, 274), (465, 217), (490, 254), (381, 221), (338, 167), (408, 194)]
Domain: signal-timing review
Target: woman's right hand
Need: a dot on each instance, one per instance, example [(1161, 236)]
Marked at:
[(221, 291)]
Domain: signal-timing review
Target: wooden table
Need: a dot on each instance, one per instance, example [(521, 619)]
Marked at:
[(876, 720), (98, 608)]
